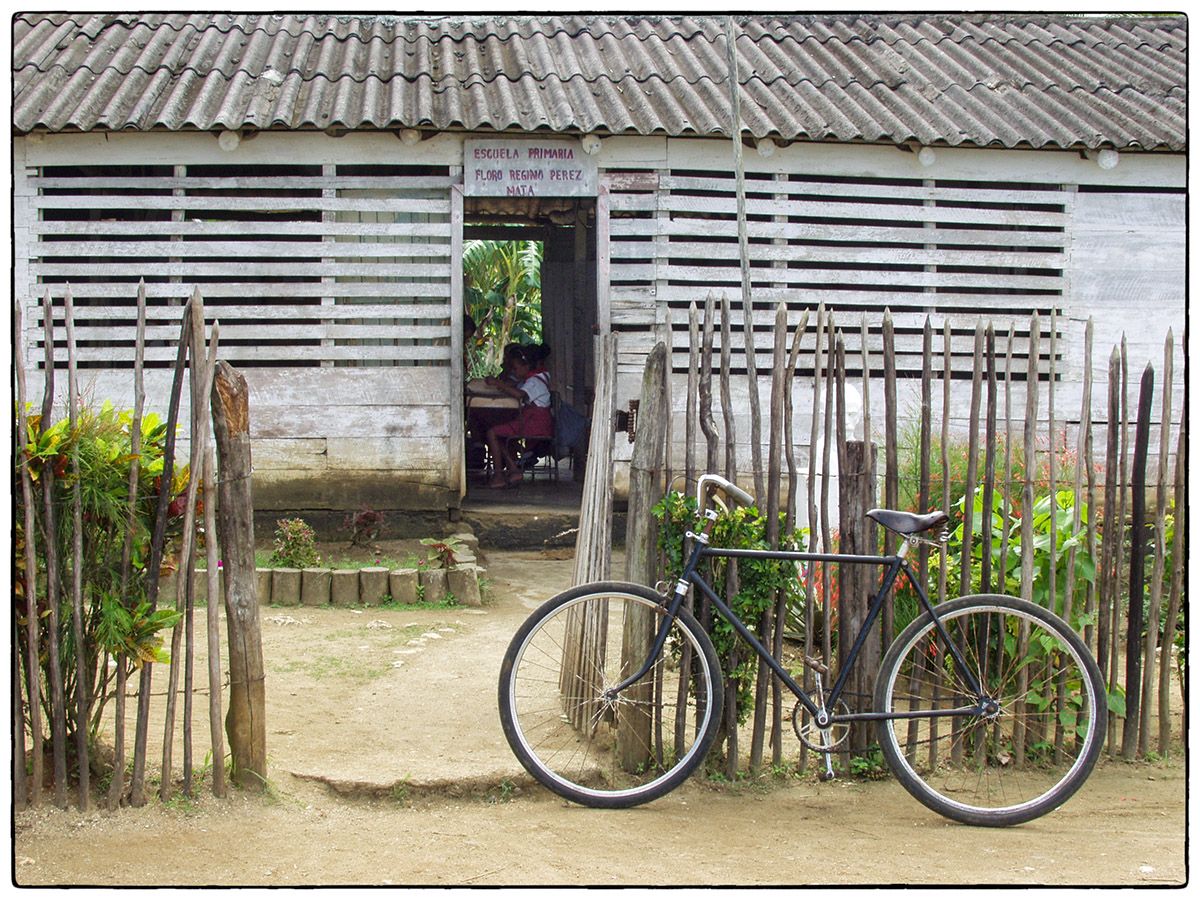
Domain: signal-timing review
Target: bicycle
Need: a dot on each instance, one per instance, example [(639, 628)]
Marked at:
[(988, 709)]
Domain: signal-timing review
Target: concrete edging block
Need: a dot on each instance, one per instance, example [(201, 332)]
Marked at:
[(344, 587), (285, 587), (315, 586)]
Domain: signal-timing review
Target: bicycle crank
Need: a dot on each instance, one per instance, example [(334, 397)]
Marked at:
[(821, 740)]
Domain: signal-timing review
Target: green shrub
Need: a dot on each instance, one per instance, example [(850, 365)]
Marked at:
[(295, 545), (759, 580)]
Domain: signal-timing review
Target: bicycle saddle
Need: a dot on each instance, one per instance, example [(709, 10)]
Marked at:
[(906, 522)]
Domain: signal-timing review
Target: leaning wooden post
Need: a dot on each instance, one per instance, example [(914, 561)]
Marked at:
[(1111, 526), (1137, 570), (246, 722), (744, 255), (82, 701), (137, 782), (968, 534), (116, 787), (923, 496), (1081, 459), (943, 553), (645, 488), (726, 396), (989, 468), (1177, 551), (693, 382), (731, 571), (781, 604), (707, 424), (1158, 575), (58, 703), (774, 475), (33, 671), (201, 387)]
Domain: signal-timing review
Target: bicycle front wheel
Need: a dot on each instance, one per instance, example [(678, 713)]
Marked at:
[(1040, 717), (592, 748)]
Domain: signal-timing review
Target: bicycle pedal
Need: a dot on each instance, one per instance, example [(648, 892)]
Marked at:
[(826, 774)]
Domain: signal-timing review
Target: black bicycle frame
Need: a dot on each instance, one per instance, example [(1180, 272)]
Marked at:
[(895, 565)]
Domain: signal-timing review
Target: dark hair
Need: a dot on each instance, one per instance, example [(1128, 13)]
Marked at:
[(537, 353)]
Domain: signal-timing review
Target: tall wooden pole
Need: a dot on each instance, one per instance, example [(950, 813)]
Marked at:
[(58, 703), (137, 785), (1158, 575), (1137, 569), (33, 669), (744, 252), (116, 787), (81, 674)]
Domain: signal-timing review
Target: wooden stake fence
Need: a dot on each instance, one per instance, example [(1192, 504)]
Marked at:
[(991, 460), (45, 575)]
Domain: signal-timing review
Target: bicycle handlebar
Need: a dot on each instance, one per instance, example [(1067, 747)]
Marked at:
[(725, 486)]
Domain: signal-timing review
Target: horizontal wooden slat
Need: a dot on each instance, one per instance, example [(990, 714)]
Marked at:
[(224, 227), (246, 269), (983, 192), (249, 204), (733, 276), (343, 460), (157, 290), (278, 330), (861, 211), (123, 356), (353, 418), (114, 181), (679, 296), (231, 314), (872, 255), (130, 250), (282, 389)]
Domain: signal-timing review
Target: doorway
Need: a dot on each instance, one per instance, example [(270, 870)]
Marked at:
[(541, 290)]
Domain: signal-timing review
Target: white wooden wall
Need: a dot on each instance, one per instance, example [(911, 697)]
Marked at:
[(336, 281), (331, 265), (979, 235)]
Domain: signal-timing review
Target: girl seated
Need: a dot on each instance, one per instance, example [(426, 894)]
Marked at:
[(534, 421)]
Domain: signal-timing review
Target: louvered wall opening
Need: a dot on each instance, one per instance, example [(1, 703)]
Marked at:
[(952, 251), (304, 265)]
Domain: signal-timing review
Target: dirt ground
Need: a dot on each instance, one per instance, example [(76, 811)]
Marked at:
[(387, 766)]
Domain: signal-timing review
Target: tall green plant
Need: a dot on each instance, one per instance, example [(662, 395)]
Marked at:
[(502, 292), (1006, 565), (116, 624)]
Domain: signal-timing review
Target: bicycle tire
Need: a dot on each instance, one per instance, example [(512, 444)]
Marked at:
[(1040, 742), (595, 751)]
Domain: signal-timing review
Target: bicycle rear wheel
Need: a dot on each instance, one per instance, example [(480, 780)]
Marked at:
[(1040, 735), (601, 751)]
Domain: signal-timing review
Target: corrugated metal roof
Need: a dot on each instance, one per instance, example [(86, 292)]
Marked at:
[(982, 80)]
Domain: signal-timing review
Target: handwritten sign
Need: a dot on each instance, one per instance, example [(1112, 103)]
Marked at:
[(528, 168)]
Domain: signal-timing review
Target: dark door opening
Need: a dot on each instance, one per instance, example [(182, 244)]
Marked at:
[(545, 256)]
